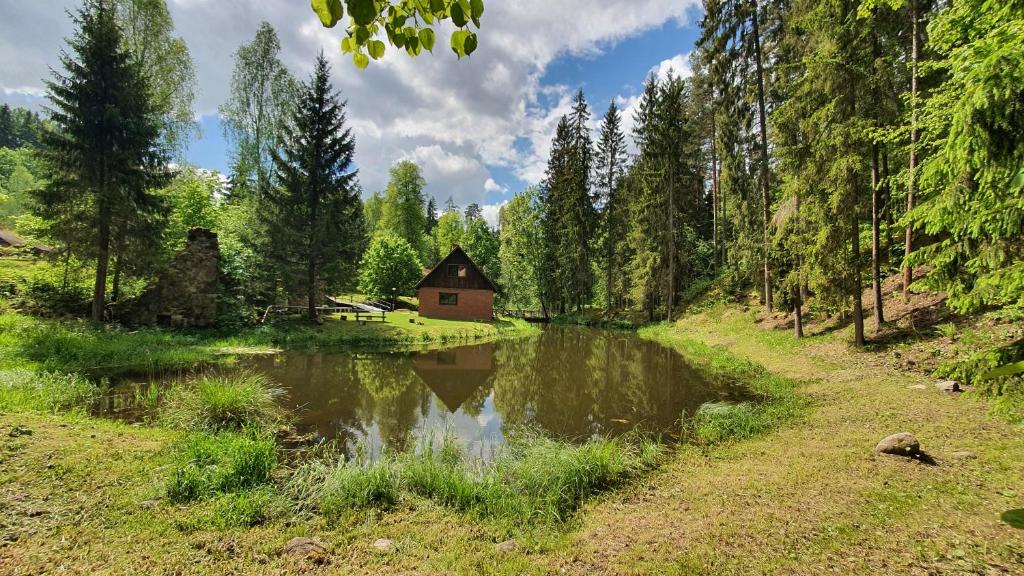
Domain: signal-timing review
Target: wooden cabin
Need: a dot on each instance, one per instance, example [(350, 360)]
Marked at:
[(456, 289)]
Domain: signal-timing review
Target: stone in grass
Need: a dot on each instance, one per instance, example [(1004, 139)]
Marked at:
[(901, 444), (948, 386), (507, 546), (305, 547), (383, 544)]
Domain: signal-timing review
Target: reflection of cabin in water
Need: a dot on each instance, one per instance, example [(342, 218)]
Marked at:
[(456, 289), (455, 374)]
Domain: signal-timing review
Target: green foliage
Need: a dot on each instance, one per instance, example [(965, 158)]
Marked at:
[(481, 244), (389, 266), (315, 218), (216, 402), (191, 197), (520, 250), (19, 128), (403, 209), (104, 152), (450, 229), (255, 113), (973, 204), (407, 24), (350, 487), (27, 390), (205, 465), (569, 216), (148, 36)]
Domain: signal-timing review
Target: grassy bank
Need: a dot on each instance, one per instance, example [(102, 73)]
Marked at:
[(76, 347), (788, 484)]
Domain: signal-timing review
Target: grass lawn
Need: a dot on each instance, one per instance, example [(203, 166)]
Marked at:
[(807, 496), (75, 346)]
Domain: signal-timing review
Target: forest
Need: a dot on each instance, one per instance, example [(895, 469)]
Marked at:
[(738, 281)]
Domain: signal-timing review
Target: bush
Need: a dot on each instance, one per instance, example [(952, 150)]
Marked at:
[(215, 402), (205, 465), (44, 391)]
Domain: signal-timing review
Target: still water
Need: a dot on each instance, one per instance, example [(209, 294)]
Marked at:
[(571, 383)]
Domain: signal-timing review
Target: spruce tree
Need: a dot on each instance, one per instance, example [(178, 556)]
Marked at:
[(316, 221), (609, 169), (103, 150)]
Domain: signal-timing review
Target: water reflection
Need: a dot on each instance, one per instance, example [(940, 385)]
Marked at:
[(571, 383)]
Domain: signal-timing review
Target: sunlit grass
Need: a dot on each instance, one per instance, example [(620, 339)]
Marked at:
[(30, 391), (215, 401), (205, 465)]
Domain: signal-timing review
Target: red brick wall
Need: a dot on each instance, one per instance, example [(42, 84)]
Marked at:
[(473, 304)]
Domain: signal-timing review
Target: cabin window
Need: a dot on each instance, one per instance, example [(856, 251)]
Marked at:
[(456, 271), (448, 299)]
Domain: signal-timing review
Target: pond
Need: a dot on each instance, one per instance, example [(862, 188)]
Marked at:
[(570, 383)]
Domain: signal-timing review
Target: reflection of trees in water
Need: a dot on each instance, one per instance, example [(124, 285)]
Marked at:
[(576, 383), (397, 397), (323, 389)]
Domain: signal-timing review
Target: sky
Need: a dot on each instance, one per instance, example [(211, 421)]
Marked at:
[(480, 128)]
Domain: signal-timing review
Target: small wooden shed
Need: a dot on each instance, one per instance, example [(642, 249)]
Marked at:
[(456, 289)]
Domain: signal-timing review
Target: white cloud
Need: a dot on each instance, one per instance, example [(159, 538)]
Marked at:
[(679, 65), (491, 186), (491, 212), (455, 117)]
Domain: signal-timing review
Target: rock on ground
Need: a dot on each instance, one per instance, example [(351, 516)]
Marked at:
[(901, 444), (383, 544), (303, 546)]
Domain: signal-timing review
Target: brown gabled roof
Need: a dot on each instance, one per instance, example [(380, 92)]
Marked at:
[(457, 256), (11, 238)]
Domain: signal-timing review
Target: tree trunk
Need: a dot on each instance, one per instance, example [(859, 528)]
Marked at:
[(887, 209), (311, 290), (671, 241), (876, 240), (765, 195), (855, 284), (798, 321), (714, 192), (912, 164), (99, 291)]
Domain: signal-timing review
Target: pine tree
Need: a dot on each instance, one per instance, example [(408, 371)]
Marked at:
[(103, 150), (609, 169), (316, 224)]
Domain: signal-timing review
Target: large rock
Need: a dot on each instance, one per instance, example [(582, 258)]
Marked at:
[(948, 386), (185, 292), (303, 546), (901, 444)]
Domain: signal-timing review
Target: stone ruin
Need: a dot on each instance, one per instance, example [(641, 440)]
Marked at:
[(184, 294)]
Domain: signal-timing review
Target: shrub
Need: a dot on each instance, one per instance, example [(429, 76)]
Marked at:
[(205, 465), (216, 401), (44, 391)]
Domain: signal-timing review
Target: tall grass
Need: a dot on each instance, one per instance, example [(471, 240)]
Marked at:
[(205, 465), (535, 480), (27, 390), (774, 398), (224, 401)]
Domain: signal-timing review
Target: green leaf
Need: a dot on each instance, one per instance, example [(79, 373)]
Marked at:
[(476, 8), (1014, 518), (376, 49), (361, 60), (458, 15), (458, 42), (363, 12), (361, 35), (1005, 370), (329, 11), (470, 44), (437, 7), (1018, 180), (412, 45), (347, 44), (426, 37)]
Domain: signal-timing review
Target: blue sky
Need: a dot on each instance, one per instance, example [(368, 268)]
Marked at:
[(479, 128)]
